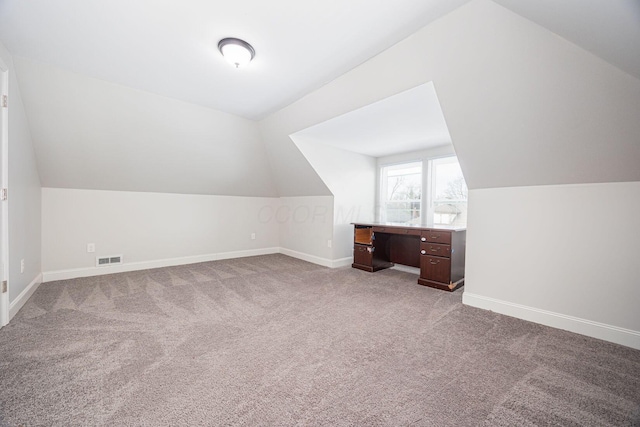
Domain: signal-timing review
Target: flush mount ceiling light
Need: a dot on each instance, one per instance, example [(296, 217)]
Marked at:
[(236, 51)]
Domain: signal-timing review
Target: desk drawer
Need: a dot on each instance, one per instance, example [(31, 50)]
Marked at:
[(363, 255), (363, 235), (435, 249), (434, 236), (398, 230), (437, 269), (409, 231)]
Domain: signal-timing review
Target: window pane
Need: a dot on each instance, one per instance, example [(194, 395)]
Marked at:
[(449, 193), (402, 192)]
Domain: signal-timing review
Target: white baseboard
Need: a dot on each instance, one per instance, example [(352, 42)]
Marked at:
[(342, 262), (17, 303), (51, 276), (306, 257), (244, 254), (626, 337)]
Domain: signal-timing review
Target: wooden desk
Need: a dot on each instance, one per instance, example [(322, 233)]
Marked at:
[(437, 251)]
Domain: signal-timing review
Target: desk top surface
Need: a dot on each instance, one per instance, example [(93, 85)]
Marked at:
[(416, 226)]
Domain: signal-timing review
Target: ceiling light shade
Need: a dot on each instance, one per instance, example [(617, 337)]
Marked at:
[(236, 51)]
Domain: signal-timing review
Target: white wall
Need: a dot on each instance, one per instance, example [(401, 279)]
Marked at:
[(150, 229), (306, 223), (563, 255), (351, 177), (24, 199)]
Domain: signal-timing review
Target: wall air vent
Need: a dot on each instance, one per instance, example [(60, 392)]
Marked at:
[(102, 261)]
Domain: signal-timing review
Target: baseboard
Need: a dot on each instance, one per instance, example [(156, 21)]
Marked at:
[(244, 254), (306, 257), (626, 337), (51, 276), (16, 305), (342, 262)]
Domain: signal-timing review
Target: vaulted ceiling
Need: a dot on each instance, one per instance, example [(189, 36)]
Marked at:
[(134, 96), (523, 105), (170, 48)]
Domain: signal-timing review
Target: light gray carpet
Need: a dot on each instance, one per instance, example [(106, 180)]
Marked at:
[(272, 340)]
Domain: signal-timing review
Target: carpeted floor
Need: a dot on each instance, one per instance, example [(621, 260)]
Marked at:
[(274, 341)]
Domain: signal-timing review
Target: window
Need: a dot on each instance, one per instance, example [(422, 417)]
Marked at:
[(448, 192), (401, 193)]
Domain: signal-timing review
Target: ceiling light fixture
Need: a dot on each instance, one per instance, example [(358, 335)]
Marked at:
[(236, 51)]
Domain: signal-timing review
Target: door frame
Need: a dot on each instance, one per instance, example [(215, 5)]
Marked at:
[(4, 177)]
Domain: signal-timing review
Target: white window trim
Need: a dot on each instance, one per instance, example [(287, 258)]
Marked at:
[(381, 185), (426, 204)]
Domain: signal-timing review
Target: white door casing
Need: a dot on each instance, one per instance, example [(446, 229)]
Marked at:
[(4, 241)]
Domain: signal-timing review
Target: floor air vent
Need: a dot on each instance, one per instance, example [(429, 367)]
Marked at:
[(108, 260)]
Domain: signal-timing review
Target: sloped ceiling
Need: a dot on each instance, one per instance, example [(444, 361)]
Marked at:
[(92, 134), (608, 29), (170, 48), (524, 106), (409, 121)]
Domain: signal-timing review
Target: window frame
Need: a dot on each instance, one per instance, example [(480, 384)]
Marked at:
[(383, 187), (427, 202)]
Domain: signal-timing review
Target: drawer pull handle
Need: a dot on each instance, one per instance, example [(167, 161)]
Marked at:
[(424, 239), (434, 263), (423, 252), (435, 250), (435, 237)]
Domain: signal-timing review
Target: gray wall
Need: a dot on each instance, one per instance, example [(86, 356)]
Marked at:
[(351, 177), (150, 229), (24, 193), (561, 255)]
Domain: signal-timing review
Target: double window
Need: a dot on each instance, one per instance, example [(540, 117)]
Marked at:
[(403, 200), (401, 192)]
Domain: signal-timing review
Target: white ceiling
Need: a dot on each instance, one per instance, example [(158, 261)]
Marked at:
[(609, 29), (409, 121), (170, 48)]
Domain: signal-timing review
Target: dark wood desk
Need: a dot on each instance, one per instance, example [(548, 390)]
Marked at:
[(437, 251)]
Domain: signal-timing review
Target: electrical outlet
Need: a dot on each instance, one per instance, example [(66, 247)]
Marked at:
[(21, 266), (91, 247), (328, 243), (253, 236)]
